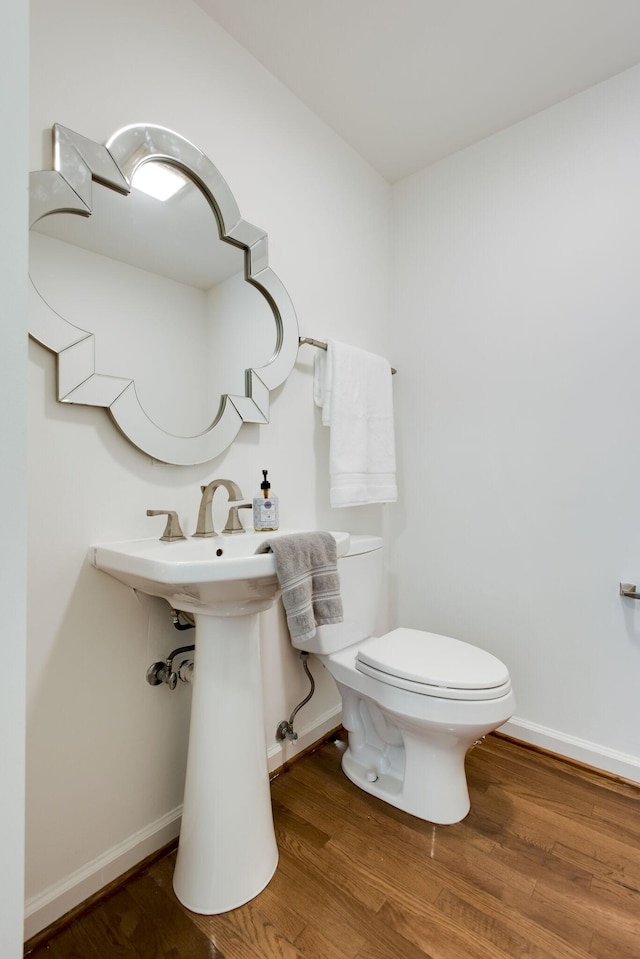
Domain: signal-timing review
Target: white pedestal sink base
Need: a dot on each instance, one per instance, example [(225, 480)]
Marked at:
[(227, 852)]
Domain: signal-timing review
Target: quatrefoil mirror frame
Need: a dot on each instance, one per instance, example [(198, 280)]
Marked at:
[(77, 162)]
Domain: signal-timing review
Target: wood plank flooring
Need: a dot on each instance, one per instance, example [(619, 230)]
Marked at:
[(545, 866)]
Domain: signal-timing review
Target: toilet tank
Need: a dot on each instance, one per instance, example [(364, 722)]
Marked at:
[(360, 572)]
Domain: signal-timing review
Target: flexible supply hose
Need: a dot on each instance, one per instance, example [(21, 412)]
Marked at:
[(285, 728)]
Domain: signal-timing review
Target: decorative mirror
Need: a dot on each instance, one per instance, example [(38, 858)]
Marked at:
[(164, 311)]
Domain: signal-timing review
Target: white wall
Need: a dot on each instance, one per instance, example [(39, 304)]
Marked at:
[(105, 750), (13, 263), (517, 314)]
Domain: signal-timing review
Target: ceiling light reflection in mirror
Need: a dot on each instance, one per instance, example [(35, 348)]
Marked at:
[(158, 180)]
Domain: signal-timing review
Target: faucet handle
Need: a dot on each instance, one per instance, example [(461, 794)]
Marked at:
[(233, 520), (172, 531)]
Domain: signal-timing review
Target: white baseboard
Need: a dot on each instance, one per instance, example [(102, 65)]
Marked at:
[(280, 753), (583, 751), (54, 902)]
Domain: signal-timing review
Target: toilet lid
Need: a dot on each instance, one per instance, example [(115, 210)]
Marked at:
[(433, 660)]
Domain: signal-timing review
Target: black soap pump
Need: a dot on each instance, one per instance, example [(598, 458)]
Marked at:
[(266, 508)]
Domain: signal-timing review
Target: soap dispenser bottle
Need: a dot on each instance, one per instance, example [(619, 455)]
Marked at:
[(266, 509)]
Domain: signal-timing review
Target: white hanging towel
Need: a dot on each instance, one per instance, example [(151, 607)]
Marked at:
[(354, 390)]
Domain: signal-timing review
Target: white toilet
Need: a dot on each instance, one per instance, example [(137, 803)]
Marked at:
[(413, 702)]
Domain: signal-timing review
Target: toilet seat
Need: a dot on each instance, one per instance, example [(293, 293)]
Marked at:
[(433, 665)]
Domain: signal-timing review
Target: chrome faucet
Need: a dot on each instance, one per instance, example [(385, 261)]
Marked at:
[(205, 514)]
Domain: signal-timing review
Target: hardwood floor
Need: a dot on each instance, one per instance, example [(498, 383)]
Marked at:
[(545, 866)]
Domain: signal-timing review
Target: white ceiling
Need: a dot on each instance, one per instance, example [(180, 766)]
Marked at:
[(407, 82)]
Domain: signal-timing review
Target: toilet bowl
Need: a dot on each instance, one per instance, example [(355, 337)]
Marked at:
[(414, 702)]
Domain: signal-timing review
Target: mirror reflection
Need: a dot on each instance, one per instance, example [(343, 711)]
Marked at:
[(165, 296), (163, 311)]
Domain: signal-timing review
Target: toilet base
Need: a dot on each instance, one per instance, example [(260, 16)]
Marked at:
[(436, 794), (416, 762)]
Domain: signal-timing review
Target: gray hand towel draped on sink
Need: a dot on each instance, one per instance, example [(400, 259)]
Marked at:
[(306, 566)]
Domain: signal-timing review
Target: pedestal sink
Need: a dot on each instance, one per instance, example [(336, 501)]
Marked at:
[(227, 852)]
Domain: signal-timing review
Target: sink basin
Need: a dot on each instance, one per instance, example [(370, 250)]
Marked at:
[(223, 575), (227, 852)]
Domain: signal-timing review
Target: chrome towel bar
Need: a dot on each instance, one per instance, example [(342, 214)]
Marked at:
[(320, 344)]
